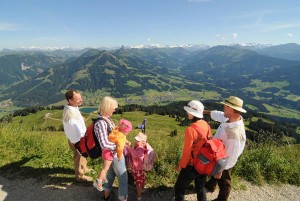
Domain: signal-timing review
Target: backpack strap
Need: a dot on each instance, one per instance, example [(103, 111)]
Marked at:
[(200, 136), (109, 129)]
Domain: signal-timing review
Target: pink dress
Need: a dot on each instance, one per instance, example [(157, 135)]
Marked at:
[(134, 159)]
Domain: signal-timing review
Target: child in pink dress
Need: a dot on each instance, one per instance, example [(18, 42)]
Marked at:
[(137, 154)]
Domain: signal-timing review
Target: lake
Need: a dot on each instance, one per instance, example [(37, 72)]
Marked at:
[(88, 109)]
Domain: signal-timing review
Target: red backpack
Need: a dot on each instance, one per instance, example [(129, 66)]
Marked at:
[(211, 158), (89, 146)]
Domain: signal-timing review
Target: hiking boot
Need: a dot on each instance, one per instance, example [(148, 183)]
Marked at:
[(84, 179), (98, 185), (107, 199), (209, 190), (111, 196)]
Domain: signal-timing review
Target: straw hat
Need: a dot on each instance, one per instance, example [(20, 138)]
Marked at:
[(141, 137), (195, 108), (235, 103)]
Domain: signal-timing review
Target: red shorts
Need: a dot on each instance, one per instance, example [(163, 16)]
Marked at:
[(107, 155), (139, 177)]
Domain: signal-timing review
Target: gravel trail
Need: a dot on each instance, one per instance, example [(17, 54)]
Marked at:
[(33, 189)]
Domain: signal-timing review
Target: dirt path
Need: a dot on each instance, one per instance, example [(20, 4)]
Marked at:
[(32, 189)]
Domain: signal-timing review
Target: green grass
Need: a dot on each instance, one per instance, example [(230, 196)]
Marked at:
[(258, 85), (282, 111), (160, 98), (275, 110), (26, 151), (132, 83), (270, 164)]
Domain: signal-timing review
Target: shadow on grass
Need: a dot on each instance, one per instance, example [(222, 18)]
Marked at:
[(21, 182), (19, 170)]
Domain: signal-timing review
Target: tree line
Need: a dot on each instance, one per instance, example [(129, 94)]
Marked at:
[(261, 127)]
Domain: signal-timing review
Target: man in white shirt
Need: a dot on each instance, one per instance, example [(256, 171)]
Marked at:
[(232, 132), (74, 127)]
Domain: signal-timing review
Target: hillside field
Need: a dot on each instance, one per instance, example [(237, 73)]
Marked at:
[(33, 147)]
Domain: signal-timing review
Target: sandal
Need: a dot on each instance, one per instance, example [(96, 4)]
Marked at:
[(98, 185)]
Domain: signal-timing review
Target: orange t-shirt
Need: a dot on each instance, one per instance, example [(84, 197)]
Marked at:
[(192, 143)]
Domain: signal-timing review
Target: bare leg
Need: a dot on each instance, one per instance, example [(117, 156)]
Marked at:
[(139, 190), (79, 162), (102, 175)]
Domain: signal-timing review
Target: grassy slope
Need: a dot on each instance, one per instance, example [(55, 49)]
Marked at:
[(25, 151)]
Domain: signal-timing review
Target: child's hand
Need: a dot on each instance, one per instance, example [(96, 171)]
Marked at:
[(128, 143)]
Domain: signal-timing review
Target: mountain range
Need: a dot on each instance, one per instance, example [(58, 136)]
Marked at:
[(263, 76)]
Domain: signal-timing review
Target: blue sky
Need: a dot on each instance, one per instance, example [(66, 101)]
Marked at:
[(113, 23)]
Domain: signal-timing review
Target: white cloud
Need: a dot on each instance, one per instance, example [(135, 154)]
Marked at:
[(290, 34), (255, 15), (222, 37), (261, 20), (227, 37), (235, 35), (8, 27), (275, 26)]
